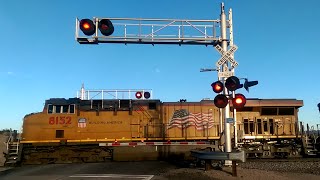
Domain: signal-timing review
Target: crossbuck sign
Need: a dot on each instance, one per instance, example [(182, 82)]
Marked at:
[(227, 56)]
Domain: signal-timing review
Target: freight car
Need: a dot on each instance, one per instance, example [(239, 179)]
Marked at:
[(91, 129)]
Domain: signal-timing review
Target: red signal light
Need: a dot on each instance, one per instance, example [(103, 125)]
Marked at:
[(87, 27), (232, 83), (217, 86), (239, 101), (138, 95), (221, 101), (106, 27)]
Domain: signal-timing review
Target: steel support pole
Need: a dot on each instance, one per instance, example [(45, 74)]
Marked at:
[(233, 93), (220, 114), (220, 121), (224, 45)]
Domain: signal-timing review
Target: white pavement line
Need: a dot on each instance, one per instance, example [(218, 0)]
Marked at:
[(143, 177), (149, 178)]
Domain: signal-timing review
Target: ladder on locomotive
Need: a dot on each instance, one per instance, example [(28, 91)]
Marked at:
[(309, 141), (13, 146)]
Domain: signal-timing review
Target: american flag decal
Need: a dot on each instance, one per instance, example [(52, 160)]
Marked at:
[(183, 118), (82, 123)]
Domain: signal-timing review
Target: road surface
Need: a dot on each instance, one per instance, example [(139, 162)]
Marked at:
[(108, 170)]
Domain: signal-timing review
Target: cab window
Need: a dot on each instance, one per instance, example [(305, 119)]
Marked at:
[(72, 108), (61, 109), (65, 108), (58, 109), (50, 108)]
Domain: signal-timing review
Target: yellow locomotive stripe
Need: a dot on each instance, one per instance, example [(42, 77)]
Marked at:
[(118, 140), (42, 141)]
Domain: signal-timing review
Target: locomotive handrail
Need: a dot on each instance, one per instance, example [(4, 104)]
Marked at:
[(8, 141), (113, 93)]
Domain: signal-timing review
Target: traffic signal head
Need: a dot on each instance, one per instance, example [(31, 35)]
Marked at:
[(232, 83), (221, 101), (87, 27), (239, 101), (105, 26), (217, 86)]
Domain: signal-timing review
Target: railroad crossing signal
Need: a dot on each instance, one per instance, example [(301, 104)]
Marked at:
[(221, 101), (106, 27), (88, 27), (217, 86), (239, 101), (146, 95), (227, 56), (232, 84), (138, 95), (149, 31)]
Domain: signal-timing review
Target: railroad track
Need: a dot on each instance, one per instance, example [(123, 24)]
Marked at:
[(286, 160)]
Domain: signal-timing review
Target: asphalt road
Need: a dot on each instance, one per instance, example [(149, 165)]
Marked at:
[(108, 170)]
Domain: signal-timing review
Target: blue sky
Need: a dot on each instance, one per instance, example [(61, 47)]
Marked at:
[(40, 59)]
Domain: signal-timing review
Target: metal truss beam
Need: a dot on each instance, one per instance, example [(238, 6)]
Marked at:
[(155, 31)]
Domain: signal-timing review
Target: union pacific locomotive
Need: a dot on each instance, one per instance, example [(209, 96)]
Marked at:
[(91, 129)]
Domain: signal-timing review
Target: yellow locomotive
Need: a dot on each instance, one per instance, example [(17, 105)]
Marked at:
[(89, 129)]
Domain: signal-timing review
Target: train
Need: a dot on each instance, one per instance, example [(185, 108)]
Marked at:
[(95, 128)]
